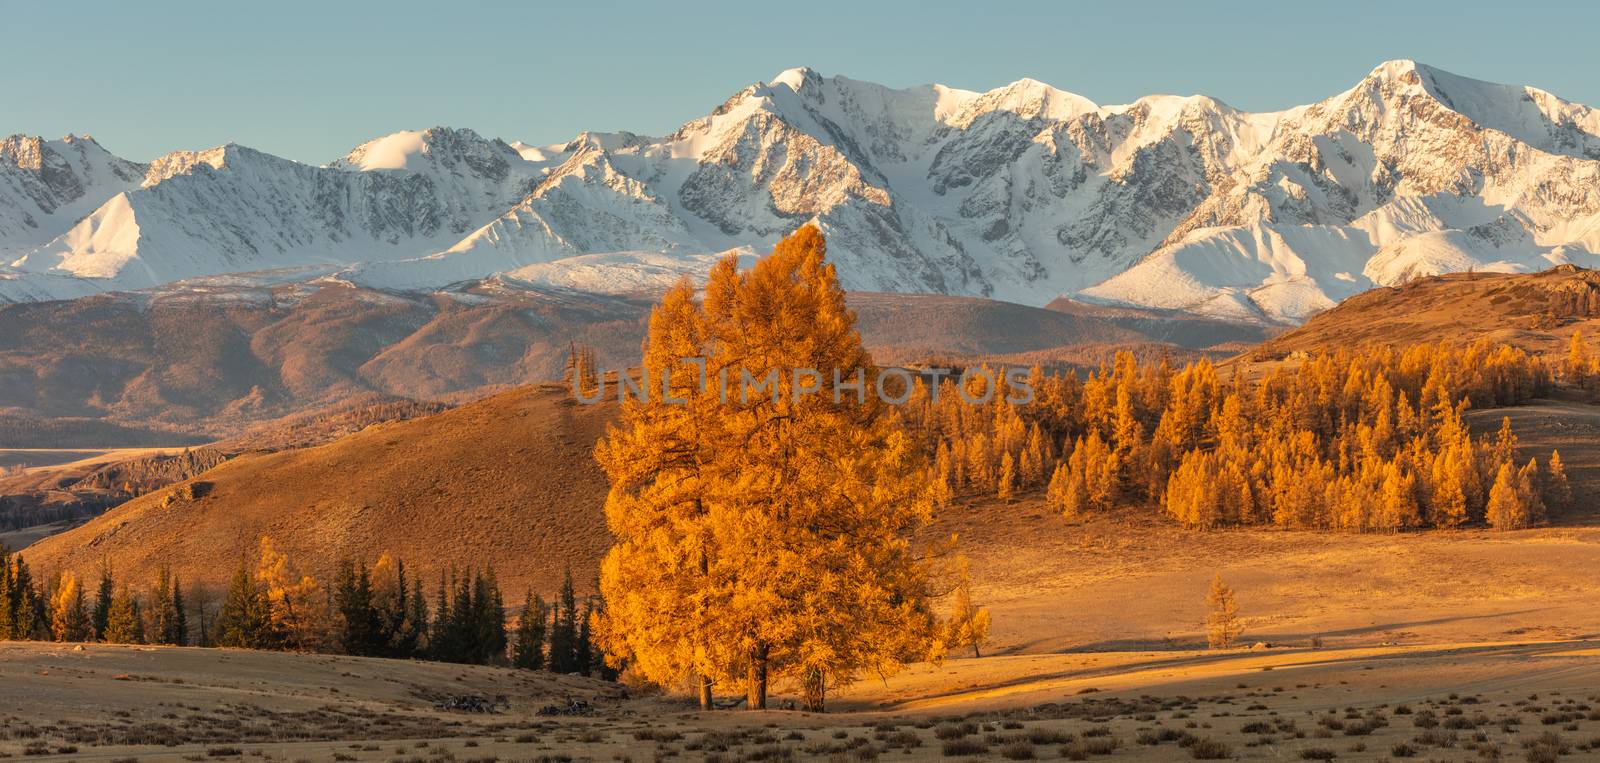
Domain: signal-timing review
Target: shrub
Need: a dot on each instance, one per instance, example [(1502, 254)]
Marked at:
[(1205, 748), (955, 748), (1018, 750), (955, 731), (1317, 753), (1042, 736), (1546, 748), (906, 739), (1084, 748)]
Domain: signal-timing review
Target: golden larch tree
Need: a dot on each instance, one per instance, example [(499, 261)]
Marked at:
[(1507, 509), (968, 626), (69, 614), (765, 536), (1223, 626), (1558, 491), (297, 604)]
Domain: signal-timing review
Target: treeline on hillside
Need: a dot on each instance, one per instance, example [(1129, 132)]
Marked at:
[(1368, 439), (377, 611)]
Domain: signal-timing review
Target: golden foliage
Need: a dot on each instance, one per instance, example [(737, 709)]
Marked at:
[(297, 604), (1223, 626), (763, 537), (968, 625), (69, 617), (1367, 439)]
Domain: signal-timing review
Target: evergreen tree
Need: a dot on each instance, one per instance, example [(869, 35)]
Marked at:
[(102, 602), (488, 632), (180, 622), (29, 618), (465, 618), (439, 643), (124, 625), (164, 610), (7, 600), (416, 642), (391, 600), (564, 630), (527, 650), (599, 666), (245, 620), (583, 654), (360, 632)]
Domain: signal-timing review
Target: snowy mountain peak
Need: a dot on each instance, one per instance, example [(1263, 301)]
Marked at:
[(442, 146), (1023, 192), (795, 79)]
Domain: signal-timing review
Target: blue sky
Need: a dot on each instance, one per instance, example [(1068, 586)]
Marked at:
[(309, 80)]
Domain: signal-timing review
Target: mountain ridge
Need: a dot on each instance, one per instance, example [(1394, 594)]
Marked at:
[(1023, 193)]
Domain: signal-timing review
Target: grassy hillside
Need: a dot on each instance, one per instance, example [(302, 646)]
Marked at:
[(507, 481), (1537, 312)]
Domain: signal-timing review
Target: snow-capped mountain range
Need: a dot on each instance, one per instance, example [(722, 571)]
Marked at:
[(1024, 193)]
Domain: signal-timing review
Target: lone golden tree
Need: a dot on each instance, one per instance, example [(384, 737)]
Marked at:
[(1223, 626), (764, 535), (968, 626)]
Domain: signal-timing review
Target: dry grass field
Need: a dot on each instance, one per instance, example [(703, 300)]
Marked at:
[(1450, 645), (507, 481), (1457, 701)]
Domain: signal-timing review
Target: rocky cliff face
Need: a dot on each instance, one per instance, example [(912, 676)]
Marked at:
[(46, 186)]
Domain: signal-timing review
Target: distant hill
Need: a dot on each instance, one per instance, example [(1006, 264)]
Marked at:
[(217, 360), (1537, 311), (506, 481)]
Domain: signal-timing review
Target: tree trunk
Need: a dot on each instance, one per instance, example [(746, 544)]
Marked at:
[(705, 694), (756, 694), (975, 651), (815, 690)]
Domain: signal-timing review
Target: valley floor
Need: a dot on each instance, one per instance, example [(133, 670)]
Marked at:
[(1444, 701), (1097, 636)]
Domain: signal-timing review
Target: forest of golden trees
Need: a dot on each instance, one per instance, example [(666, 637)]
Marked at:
[(1358, 439)]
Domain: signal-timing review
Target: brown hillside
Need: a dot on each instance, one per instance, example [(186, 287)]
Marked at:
[(507, 481), (1536, 311)]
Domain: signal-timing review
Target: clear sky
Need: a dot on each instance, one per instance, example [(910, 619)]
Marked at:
[(310, 80)]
